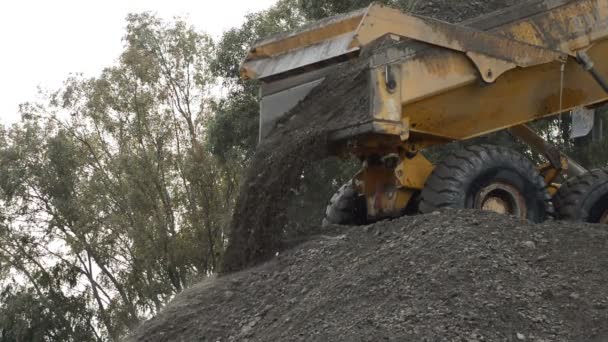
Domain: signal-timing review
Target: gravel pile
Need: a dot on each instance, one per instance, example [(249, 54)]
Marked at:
[(449, 276)]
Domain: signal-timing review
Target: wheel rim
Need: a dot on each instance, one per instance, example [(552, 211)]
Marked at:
[(502, 198)]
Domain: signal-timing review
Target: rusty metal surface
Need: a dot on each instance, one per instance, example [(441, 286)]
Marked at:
[(319, 41), (501, 198), (413, 172), (442, 66), (450, 82), (519, 96), (380, 20), (568, 28), (385, 196), (308, 55), (311, 33), (333, 37), (514, 13)]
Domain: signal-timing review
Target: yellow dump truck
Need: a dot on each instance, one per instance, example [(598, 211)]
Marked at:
[(446, 83)]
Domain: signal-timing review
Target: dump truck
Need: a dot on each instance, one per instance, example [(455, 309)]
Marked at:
[(442, 83)]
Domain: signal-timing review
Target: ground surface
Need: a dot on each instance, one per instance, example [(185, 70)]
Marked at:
[(450, 276)]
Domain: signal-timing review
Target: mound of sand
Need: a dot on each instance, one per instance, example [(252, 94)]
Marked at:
[(451, 276)]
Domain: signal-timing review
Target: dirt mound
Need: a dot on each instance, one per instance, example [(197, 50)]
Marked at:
[(454, 276)]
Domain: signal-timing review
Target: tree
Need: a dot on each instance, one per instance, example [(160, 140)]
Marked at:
[(233, 130), (319, 9), (111, 202)]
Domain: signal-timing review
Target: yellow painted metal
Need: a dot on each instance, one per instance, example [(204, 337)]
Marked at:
[(388, 101), (439, 89), (400, 128), (489, 68), (485, 47), (435, 73), (310, 37), (385, 196), (389, 190), (388, 203), (572, 27), (444, 100), (551, 174), (519, 96), (387, 106), (441, 92), (318, 41), (465, 84), (413, 172), (537, 40)]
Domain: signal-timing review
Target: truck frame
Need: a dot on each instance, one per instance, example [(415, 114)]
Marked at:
[(452, 82)]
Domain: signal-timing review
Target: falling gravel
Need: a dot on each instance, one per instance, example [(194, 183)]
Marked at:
[(449, 276)]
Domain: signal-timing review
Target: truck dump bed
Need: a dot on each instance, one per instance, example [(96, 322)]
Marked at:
[(445, 81)]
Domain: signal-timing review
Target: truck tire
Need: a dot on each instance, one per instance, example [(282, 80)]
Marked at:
[(491, 178), (346, 207), (584, 198)]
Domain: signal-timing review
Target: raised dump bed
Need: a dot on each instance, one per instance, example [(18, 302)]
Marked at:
[(446, 77), (427, 82)]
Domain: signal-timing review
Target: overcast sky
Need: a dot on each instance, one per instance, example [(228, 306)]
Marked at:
[(42, 41)]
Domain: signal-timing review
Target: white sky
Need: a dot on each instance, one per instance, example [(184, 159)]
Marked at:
[(43, 41)]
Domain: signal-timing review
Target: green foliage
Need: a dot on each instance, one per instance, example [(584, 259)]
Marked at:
[(112, 211), (29, 316), (234, 44), (319, 9), (588, 151), (233, 131)]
